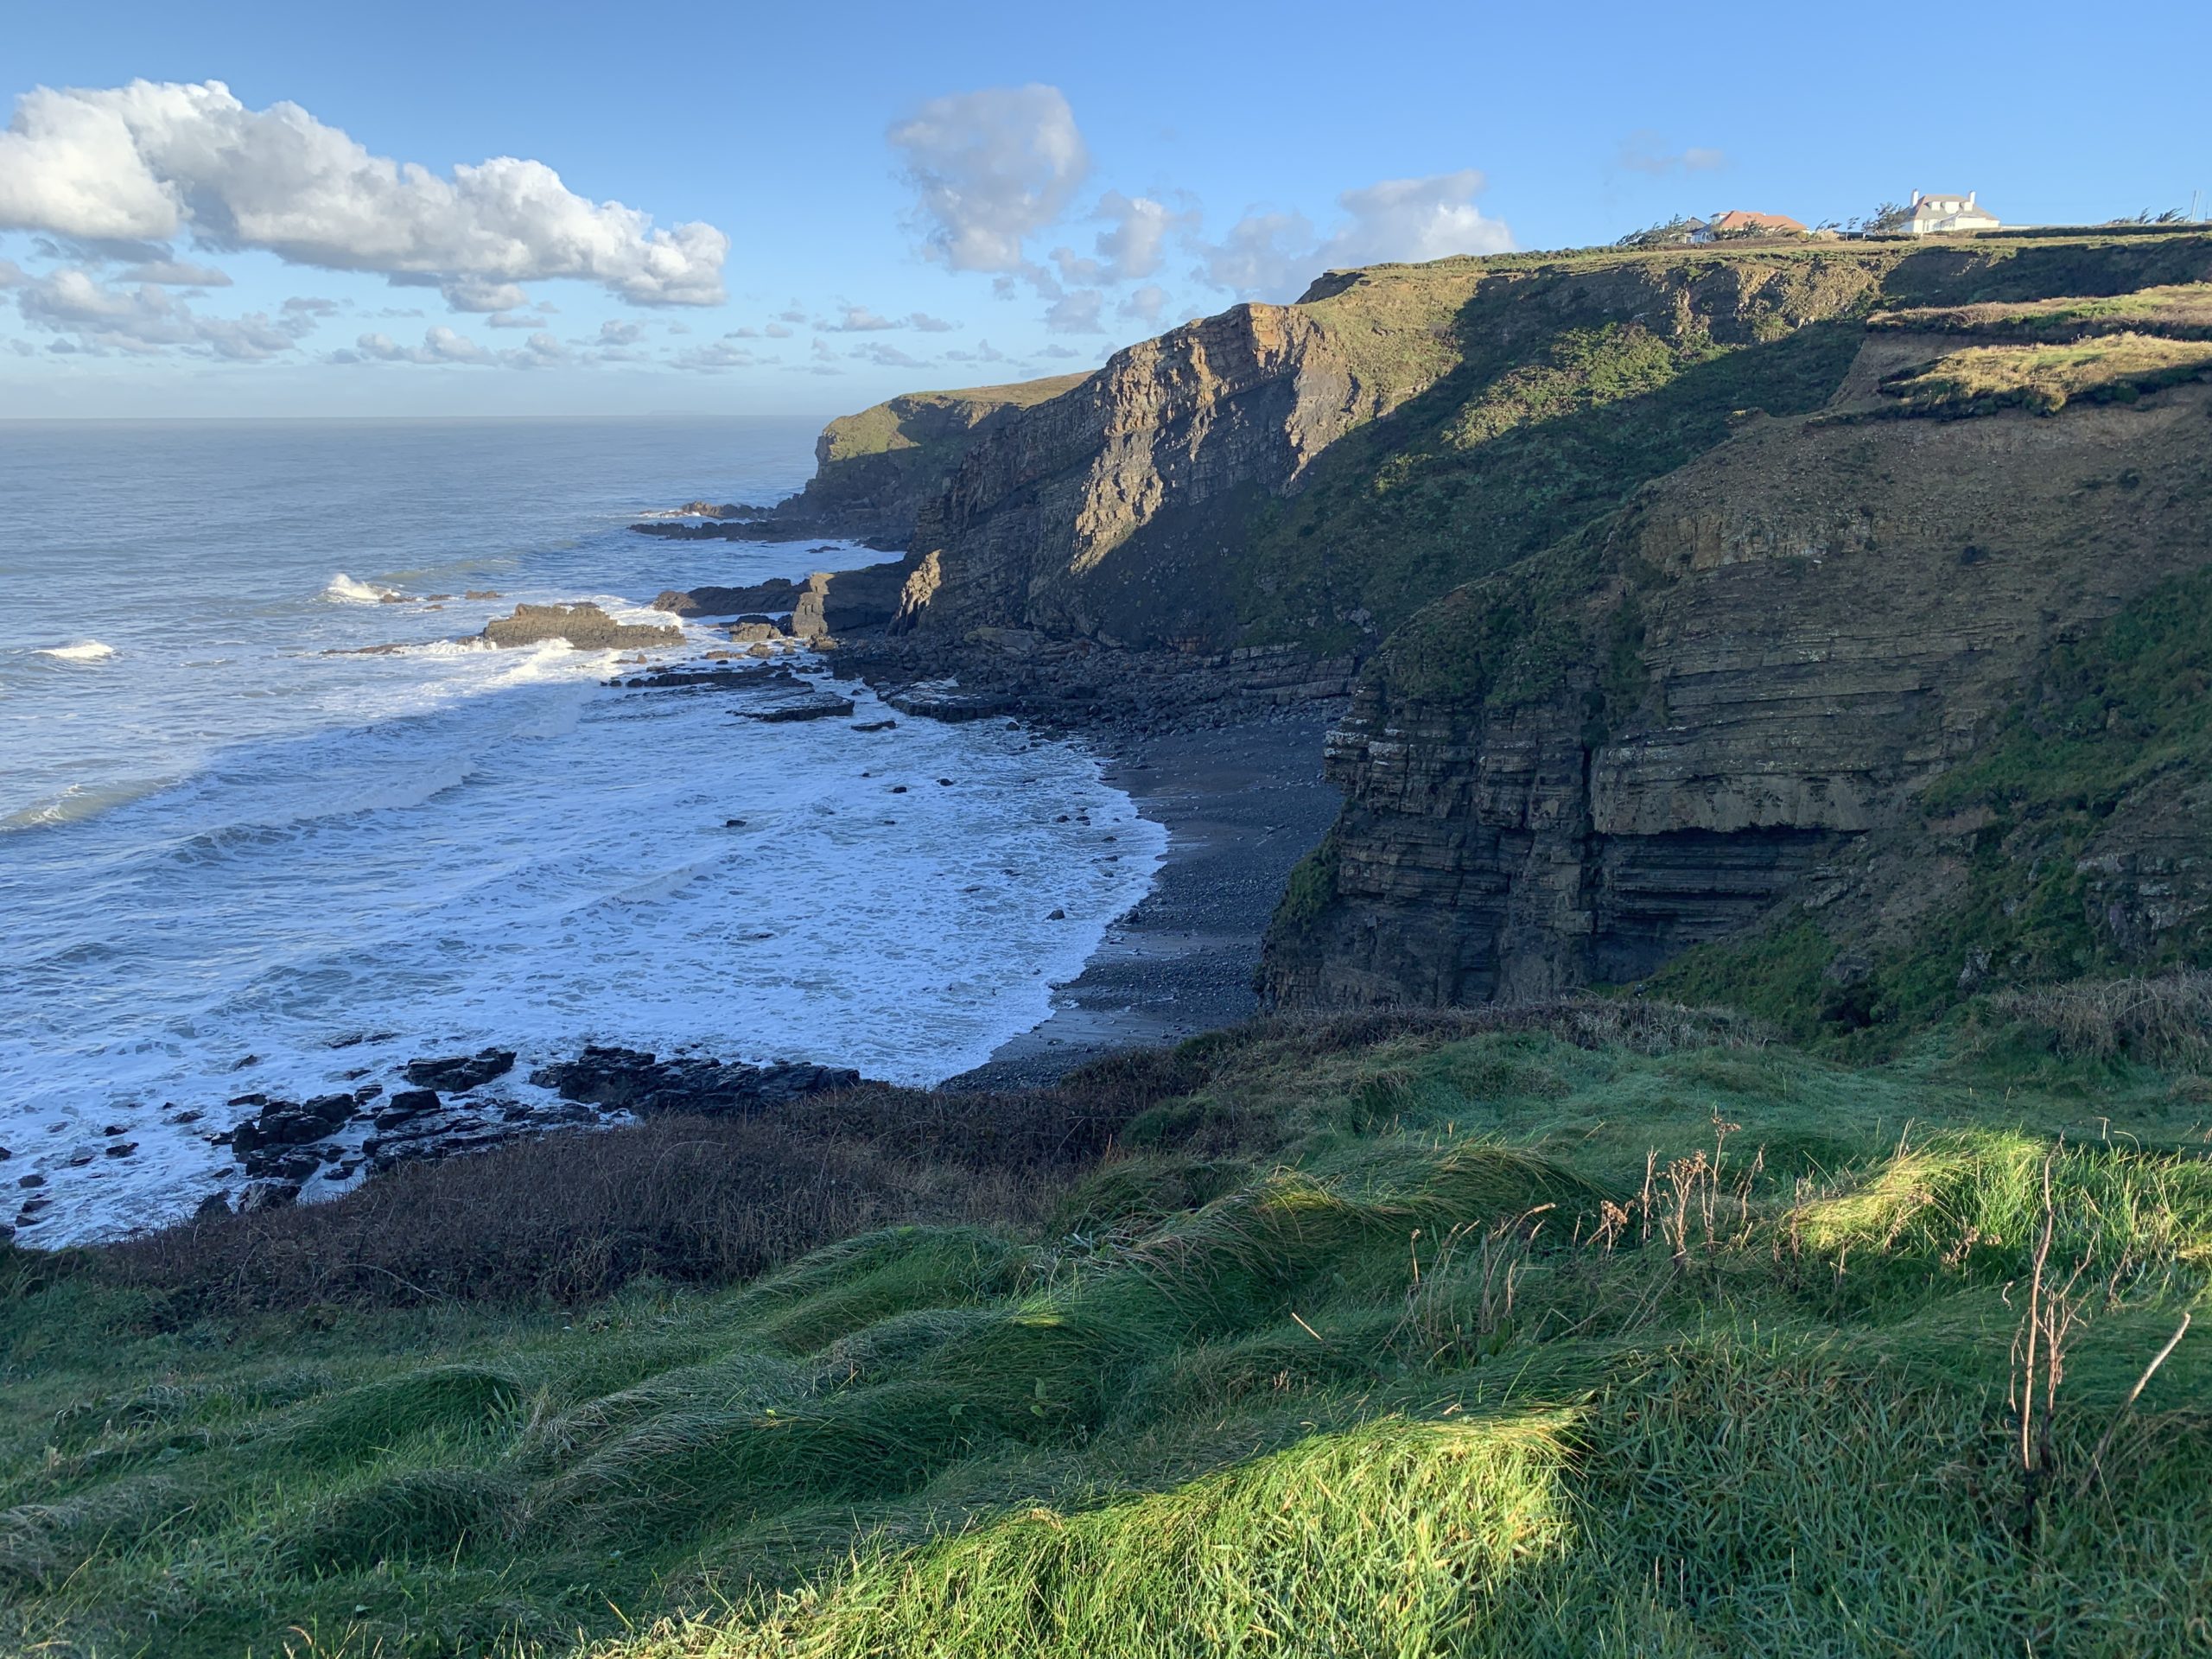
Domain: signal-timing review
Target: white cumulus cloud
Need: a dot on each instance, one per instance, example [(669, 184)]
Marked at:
[(887, 357), (1145, 304), (1266, 254), (716, 356), (1076, 312), (855, 319), (155, 160), (94, 317), (1645, 151), (989, 169), (1131, 246), (1273, 255), (1413, 220), (176, 273)]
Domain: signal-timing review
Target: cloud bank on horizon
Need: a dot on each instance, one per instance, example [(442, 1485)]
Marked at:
[(133, 192)]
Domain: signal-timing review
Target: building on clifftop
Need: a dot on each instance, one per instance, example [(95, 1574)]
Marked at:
[(1738, 223), (1946, 216)]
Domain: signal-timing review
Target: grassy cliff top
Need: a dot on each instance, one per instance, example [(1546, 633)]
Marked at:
[(1385, 1335), (1529, 395), (913, 419), (2104, 367), (2177, 310)]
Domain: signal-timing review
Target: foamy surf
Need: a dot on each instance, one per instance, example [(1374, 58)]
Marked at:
[(85, 651), (258, 832), (343, 589)]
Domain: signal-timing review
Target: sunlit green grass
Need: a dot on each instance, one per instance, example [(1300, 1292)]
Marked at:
[(1494, 1344)]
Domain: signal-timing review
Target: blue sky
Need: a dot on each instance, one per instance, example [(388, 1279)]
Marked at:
[(882, 198)]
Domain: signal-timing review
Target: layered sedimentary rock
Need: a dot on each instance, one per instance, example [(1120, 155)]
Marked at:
[(827, 602), (1106, 511), (1311, 475), (1736, 700), (1670, 627)]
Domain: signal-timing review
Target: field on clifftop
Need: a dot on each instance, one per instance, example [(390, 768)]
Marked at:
[(1600, 1327)]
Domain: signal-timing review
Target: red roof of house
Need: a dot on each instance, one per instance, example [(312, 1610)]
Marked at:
[(1740, 220)]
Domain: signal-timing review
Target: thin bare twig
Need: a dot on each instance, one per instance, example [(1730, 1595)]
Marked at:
[(2095, 1471)]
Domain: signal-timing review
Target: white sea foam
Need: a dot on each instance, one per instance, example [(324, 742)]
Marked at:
[(85, 651), (237, 845), (345, 590), (548, 865)]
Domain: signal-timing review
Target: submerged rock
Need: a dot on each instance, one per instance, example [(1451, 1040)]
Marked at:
[(267, 1195), (285, 1123), (948, 701), (407, 1104)]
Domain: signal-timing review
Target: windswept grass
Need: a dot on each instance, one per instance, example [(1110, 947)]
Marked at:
[(2110, 368), (1598, 1328), (2163, 1020), (2176, 311)]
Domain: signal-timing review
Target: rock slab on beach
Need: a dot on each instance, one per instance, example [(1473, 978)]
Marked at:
[(828, 602)]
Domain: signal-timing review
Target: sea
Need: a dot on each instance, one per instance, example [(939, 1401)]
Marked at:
[(237, 859)]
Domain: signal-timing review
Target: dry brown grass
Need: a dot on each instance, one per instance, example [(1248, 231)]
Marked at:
[(2179, 311), (2163, 1020), (1647, 1025), (572, 1217), (2045, 379)]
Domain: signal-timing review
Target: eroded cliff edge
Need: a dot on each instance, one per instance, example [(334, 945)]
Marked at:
[(1698, 601), (874, 470), (1877, 706), (1308, 476)]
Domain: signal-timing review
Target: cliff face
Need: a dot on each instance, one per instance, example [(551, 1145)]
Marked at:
[(1776, 692), (874, 470), (1099, 513), (1309, 476), (1176, 498), (1709, 600)]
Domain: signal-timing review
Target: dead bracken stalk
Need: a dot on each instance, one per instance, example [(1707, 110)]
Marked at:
[(2038, 1364), (2095, 1471)]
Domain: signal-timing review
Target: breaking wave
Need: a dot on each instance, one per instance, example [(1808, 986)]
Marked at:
[(85, 651), (346, 591)]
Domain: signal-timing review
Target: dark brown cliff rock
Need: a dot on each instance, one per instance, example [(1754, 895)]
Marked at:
[(874, 470), (1078, 517), (1311, 475), (1732, 705), (827, 602)]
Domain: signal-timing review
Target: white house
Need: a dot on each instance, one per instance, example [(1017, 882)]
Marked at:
[(1946, 216)]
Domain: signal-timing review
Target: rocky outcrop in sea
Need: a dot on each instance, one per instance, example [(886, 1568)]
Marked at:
[(285, 1151), (585, 627)]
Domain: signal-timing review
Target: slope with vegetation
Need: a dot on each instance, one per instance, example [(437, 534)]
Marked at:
[(1312, 475), (1597, 1328), (874, 470), (1745, 707)]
